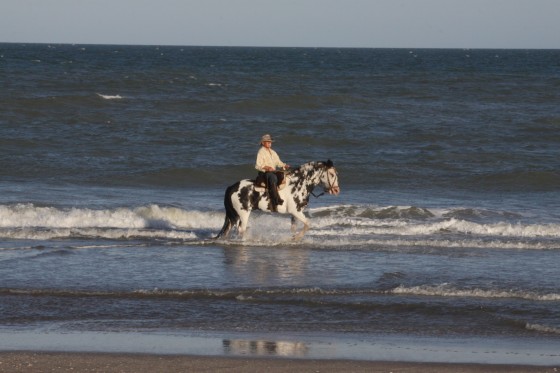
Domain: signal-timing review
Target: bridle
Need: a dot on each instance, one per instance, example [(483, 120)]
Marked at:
[(330, 183)]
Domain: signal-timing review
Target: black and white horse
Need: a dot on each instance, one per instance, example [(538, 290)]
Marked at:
[(243, 196)]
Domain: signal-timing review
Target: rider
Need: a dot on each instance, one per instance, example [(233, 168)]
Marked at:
[(267, 162)]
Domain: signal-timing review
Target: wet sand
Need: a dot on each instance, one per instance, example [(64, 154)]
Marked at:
[(138, 363)]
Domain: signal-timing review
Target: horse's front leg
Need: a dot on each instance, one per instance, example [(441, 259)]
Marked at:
[(301, 217)]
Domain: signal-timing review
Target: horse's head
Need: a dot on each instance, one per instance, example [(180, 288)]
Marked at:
[(329, 178)]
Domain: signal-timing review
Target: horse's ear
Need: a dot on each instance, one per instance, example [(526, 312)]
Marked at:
[(329, 164)]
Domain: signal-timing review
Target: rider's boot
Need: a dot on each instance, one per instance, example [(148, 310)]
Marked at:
[(275, 199)]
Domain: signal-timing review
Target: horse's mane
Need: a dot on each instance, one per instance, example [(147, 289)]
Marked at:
[(312, 164)]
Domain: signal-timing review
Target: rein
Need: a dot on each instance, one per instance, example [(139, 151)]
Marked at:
[(328, 180)]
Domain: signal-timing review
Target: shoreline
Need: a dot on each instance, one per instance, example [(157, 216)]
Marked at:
[(280, 352), (17, 361)]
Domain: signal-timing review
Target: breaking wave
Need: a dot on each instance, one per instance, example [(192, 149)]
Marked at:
[(110, 97), (542, 328), (339, 226), (450, 291), (242, 294)]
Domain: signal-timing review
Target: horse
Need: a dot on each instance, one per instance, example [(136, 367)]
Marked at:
[(244, 196)]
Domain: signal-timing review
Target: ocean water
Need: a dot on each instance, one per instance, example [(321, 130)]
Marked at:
[(114, 161)]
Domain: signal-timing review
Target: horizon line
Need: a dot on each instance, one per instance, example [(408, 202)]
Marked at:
[(265, 46)]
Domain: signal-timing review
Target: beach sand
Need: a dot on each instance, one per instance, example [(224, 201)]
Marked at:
[(138, 363)]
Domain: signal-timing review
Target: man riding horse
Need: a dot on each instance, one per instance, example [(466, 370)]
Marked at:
[(267, 163), (246, 195)]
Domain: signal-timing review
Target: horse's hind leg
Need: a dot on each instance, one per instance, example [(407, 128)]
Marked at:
[(293, 227), (243, 222), (224, 233), (300, 235)]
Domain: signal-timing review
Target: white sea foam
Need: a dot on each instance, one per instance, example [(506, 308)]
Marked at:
[(413, 223), (542, 328), (399, 242), (445, 290), (407, 228), (110, 97), (336, 230), (104, 233), (27, 221)]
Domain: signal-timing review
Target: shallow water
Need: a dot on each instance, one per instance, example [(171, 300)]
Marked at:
[(115, 160)]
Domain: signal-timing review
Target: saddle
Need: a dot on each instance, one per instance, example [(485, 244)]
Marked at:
[(260, 181)]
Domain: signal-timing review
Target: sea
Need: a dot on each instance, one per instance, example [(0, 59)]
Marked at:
[(114, 161)]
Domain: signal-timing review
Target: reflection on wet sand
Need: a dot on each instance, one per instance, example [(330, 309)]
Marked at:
[(264, 348)]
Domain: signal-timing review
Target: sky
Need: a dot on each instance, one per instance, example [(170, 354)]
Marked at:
[(286, 23)]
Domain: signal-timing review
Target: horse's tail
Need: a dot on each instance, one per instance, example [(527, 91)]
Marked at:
[(232, 217)]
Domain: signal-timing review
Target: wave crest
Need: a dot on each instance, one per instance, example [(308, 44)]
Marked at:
[(339, 226), (110, 97), (448, 291), (542, 328)]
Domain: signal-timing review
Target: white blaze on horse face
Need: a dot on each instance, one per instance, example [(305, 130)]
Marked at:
[(331, 182)]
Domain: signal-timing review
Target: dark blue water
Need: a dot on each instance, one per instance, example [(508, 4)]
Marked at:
[(114, 161)]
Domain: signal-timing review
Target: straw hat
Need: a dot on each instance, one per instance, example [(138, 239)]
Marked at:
[(266, 137)]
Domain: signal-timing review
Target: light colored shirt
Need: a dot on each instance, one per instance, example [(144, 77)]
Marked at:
[(268, 157)]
